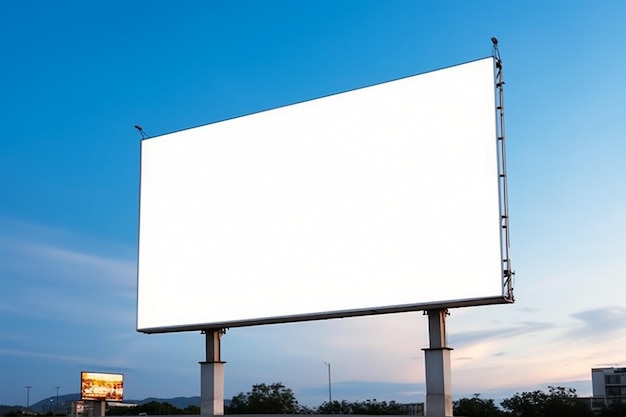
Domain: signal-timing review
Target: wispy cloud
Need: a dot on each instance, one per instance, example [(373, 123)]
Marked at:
[(50, 273), (49, 261), (6, 336), (599, 322), (111, 271), (71, 359), (466, 338), (103, 308)]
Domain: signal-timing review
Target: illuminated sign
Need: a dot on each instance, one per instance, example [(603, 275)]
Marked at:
[(101, 386)]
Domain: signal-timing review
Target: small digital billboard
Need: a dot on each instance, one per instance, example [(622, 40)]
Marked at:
[(101, 386)]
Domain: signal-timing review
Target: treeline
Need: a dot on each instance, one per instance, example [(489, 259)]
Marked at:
[(152, 408), (269, 399), (556, 402), (277, 399)]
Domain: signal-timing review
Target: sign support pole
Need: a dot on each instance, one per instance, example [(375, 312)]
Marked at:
[(99, 408), (212, 376), (438, 371)]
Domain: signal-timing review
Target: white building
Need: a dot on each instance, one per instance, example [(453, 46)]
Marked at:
[(609, 387)]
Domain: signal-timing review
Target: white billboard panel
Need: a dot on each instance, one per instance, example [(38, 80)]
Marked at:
[(375, 200)]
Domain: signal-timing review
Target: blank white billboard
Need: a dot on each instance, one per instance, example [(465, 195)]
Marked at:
[(376, 200)]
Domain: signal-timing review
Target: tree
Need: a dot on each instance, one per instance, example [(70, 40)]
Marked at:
[(476, 407), (373, 407), (265, 399), (557, 402), (367, 407), (334, 407), (526, 404), (613, 410), (191, 409)]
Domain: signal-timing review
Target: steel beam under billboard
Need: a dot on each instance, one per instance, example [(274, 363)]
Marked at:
[(377, 200)]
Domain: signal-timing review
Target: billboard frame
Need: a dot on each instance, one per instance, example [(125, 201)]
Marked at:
[(506, 271)]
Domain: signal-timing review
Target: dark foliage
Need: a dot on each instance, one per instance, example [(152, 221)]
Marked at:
[(614, 410), (476, 407), (153, 408), (368, 407), (557, 402), (264, 399)]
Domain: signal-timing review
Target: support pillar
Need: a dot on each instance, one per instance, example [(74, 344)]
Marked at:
[(212, 376), (438, 370), (99, 408)]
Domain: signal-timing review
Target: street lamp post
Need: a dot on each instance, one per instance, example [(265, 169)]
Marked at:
[(56, 408), (330, 397), (28, 387)]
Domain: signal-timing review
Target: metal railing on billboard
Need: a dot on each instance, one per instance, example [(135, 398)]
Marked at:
[(502, 176)]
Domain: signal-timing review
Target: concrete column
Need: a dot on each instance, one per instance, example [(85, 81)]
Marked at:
[(99, 408), (212, 376), (212, 388), (438, 370)]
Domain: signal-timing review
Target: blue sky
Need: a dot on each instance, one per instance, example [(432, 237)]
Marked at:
[(76, 76)]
